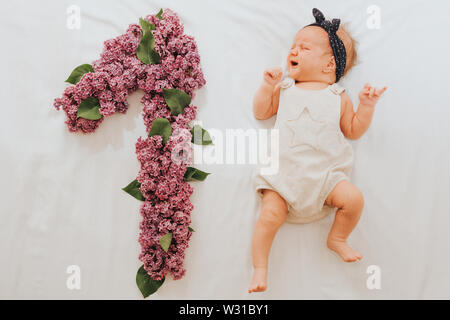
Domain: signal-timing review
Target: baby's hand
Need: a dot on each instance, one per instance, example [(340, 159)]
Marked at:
[(273, 75), (369, 95)]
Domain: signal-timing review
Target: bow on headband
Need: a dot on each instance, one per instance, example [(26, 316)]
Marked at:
[(332, 26), (340, 55)]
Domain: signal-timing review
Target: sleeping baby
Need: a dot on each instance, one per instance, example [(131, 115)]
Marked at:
[(314, 116)]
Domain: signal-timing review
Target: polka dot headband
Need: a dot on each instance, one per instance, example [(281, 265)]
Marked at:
[(340, 55)]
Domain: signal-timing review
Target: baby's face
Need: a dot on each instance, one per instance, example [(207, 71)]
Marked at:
[(309, 54)]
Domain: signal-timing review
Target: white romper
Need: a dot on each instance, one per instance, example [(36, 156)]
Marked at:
[(314, 155)]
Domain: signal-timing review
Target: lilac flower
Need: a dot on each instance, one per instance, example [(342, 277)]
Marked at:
[(117, 74)]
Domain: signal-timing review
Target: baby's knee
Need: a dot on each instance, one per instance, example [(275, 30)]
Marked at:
[(355, 201)]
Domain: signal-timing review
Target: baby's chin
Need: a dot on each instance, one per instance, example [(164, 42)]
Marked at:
[(295, 74)]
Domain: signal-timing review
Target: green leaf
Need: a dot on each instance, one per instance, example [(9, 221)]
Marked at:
[(146, 26), (195, 174), (200, 136), (191, 230), (146, 284), (78, 73), (161, 127), (165, 241), (177, 100), (134, 190), (159, 14), (155, 58), (89, 109), (145, 50)]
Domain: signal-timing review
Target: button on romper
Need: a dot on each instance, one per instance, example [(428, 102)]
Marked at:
[(314, 155)]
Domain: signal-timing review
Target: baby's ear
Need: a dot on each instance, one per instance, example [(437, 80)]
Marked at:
[(331, 66)]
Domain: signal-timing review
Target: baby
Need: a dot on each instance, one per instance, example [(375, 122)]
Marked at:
[(314, 114)]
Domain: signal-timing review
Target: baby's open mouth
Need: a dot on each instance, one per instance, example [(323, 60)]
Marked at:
[(294, 64)]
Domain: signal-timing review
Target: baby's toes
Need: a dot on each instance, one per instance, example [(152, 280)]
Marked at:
[(350, 258), (257, 288), (354, 256)]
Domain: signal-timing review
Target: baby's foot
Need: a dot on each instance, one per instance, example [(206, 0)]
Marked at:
[(258, 283), (344, 250)]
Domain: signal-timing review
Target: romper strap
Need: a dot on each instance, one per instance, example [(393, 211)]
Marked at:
[(287, 82), (336, 88)]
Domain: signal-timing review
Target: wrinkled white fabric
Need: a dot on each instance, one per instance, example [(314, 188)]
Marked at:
[(62, 202), (314, 155)]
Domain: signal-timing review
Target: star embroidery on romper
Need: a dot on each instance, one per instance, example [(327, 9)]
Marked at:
[(305, 129)]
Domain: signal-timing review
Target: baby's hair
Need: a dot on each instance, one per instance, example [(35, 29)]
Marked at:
[(350, 47)]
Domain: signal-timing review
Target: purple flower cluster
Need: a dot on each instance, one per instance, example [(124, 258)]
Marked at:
[(118, 73), (167, 207)]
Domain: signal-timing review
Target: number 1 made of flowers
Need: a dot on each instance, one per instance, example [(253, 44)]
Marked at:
[(158, 58)]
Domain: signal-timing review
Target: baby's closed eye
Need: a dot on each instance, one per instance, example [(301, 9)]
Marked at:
[(302, 46)]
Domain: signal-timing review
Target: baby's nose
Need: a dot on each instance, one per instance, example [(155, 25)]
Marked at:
[(294, 51)]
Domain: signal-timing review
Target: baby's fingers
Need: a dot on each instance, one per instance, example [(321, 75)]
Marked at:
[(268, 74), (379, 92), (371, 92)]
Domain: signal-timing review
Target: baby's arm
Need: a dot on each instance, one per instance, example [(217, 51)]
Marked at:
[(354, 124), (266, 100)]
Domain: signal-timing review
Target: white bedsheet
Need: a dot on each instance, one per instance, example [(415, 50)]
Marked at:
[(62, 202)]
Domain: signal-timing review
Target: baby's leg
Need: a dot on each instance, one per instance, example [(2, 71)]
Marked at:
[(273, 214), (350, 202)]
